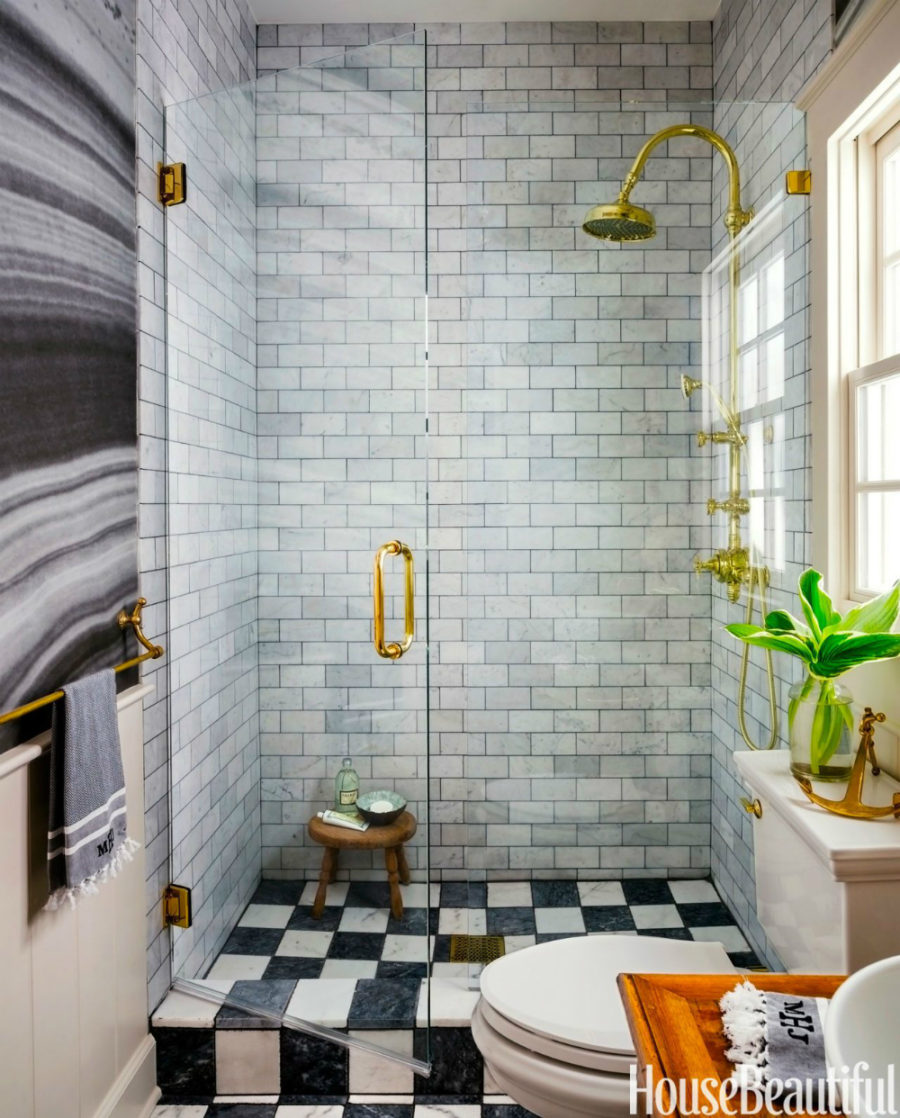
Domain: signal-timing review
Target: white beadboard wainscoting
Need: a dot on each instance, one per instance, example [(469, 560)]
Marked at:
[(74, 1037)]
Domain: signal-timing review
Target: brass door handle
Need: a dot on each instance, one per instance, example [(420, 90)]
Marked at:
[(394, 651)]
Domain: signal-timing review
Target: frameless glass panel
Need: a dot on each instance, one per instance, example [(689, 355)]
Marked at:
[(587, 685), (297, 402)]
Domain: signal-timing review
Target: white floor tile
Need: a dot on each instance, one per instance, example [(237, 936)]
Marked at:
[(336, 893), (656, 916), (307, 945), (405, 949), (367, 1068), (187, 1011), (349, 968), (247, 1098), (558, 920), (462, 921), (508, 894), (408, 1099), (452, 1003), (728, 935), (176, 1111), (364, 920), (266, 916), (248, 1061), (415, 895), (601, 893), (516, 943), (693, 892), (239, 967), (325, 1001)]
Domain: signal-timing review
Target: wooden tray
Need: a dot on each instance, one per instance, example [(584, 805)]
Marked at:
[(676, 1024)]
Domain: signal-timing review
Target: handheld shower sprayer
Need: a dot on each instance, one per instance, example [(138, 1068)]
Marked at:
[(623, 221)]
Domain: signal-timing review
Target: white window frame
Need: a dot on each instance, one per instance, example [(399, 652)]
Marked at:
[(847, 105), (861, 303)]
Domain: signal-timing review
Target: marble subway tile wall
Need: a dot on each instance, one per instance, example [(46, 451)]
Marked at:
[(570, 647), (184, 51), (762, 56)]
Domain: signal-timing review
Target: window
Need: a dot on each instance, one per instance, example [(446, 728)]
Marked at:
[(874, 383)]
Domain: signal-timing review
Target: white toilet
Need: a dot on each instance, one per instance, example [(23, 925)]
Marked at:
[(550, 1023), (551, 1027)]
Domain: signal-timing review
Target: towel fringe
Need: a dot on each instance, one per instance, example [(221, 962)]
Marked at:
[(744, 1024), (71, 896)]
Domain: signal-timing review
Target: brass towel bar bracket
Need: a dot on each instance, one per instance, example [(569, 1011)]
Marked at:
[(125, 619)]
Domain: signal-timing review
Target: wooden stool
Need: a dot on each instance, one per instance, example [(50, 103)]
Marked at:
[(390, 839)]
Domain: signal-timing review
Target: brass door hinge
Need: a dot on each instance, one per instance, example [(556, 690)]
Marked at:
[(798, 182), (177, 906), (172, 183)]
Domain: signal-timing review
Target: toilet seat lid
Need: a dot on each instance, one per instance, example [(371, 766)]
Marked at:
[(566, 989)]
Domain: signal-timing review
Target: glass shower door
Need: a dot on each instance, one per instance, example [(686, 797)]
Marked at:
[(297, 520)]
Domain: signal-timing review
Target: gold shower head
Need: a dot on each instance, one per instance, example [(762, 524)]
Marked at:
[(620, 221), (689, 386)]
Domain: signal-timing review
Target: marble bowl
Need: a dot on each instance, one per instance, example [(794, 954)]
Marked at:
[(381, 807)]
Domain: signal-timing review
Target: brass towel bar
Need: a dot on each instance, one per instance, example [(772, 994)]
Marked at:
[(154, 651)]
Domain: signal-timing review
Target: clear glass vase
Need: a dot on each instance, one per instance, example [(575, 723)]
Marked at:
[(820, 728)]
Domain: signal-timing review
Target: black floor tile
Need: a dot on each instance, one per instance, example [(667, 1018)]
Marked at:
[(253, 941), (518, 921), (290, 966), (311, 1065), (368, 894), (745, 959), (270, 994), (278, 892), (186, 1061), (395, 970), (710, 914), (666, 933), (303, 920), (608, 918), (356, 945), (241, 1110), (555, 894), (384, 1004), (378, 1110), (505, 1110), (647, 892), (462, 894), (456, 1063)]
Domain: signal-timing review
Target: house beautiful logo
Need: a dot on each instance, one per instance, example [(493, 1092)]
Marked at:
[(703, 1097)]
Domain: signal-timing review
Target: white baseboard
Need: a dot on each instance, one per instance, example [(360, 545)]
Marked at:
[(134, 1093)]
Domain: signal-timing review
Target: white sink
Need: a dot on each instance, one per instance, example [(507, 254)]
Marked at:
[(862, 1028)]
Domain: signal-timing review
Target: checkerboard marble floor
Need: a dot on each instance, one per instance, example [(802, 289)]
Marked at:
[(278, 954), (356, 1107)]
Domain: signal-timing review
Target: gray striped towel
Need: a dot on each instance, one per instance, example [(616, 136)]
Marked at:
[(88, 838)]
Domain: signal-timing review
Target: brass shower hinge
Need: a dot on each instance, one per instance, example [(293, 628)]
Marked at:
[(172, 183), (798, 182), (177, 907)]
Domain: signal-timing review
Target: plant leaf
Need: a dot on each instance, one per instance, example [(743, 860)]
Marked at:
[(817, 607), (839, 652), (779, 642), (780, 621), (875, 616)]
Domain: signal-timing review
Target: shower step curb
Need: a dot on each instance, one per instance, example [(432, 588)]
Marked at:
[(203, 1051)]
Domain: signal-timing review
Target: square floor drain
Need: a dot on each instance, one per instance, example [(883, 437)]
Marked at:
[(476, 949)]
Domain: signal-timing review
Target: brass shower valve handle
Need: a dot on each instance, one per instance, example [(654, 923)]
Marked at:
[(739, 505), (732, 436), (731, 567)]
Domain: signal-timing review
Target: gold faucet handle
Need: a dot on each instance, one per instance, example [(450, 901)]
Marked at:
[(868, 720)]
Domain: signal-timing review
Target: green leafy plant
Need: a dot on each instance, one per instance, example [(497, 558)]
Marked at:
[(829, 645)]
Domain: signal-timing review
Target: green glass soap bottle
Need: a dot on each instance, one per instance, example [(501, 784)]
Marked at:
[(346, 787)]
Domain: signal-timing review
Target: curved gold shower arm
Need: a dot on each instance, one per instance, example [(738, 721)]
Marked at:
[(735, 217)]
